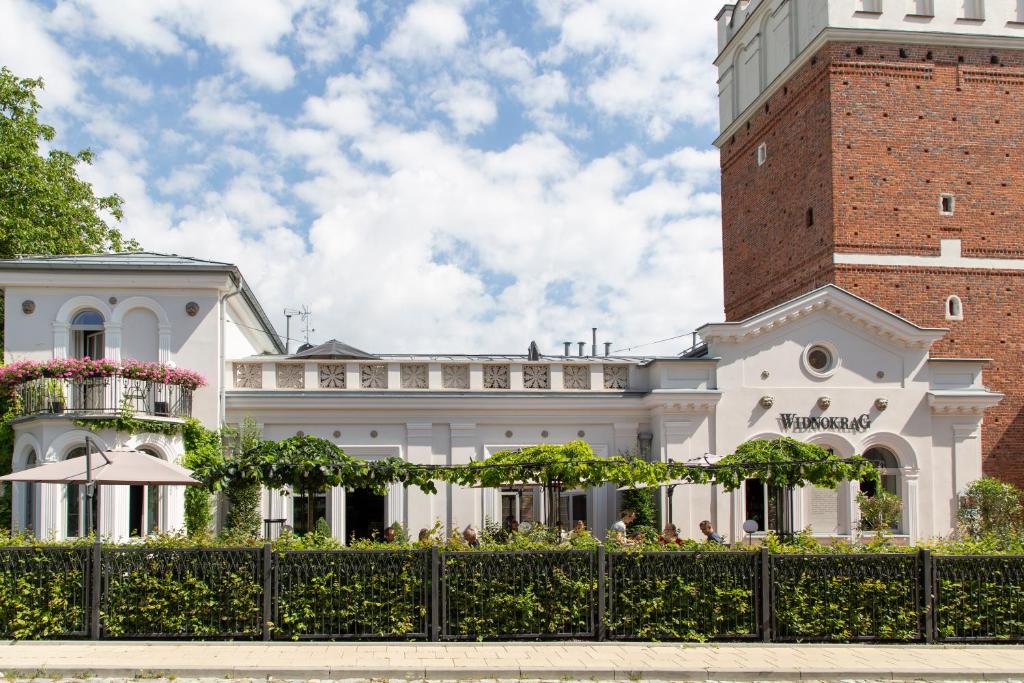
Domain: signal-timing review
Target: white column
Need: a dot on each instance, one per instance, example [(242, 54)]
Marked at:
[(269, 376), (114, 508), (61, 339), (112, 340), (625, 436), (675, 446), (312, 372), (464, 504), (911, 520), (515, 377), (173, 508), (394, 375), (556, 376), (435, 376), (164, 332), (476, 377), (597, 376), (336, 512), (353, 376), (51, 511), (419, 449), (966, 457)]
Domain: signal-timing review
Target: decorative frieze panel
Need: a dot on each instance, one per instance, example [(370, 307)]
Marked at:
[(332, 375), (616, 376), (415, 376), (496, 377), (374, 377), (248, 376), (290, 376), (455, 377), (536, 377), (575, 376)]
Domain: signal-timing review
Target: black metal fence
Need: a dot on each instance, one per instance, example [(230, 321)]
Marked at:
[(432, 594), (104, 396)]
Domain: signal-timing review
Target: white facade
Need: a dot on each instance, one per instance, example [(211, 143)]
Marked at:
[(762, 43), (755, 378)]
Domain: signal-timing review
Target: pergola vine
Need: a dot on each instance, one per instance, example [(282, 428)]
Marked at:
[(310, 465)]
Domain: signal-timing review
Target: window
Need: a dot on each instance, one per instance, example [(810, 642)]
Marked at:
[(947, 204), (87, 340), (762, 153), (572, 507), (144, 506), (974, 10), (1020, 11), (300, 512), (922, 8), (764, 504), (872, 6), (517, 504), (954, 308), (28, 517), (74, 502), (820, 359), (889, 469)]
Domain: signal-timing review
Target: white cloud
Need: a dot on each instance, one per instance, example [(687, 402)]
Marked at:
[(29, 51), (469, 104), (129, 87), (428, 29), (646, 61), (329, 29), (247, 32), (216, 108), (348, 103)]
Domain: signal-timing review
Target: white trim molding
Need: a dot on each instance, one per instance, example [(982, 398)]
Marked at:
[(950, 256)]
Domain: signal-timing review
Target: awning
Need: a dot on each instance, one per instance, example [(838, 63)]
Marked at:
[(116, 466)]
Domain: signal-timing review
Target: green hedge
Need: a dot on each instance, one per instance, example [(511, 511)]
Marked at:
[(160, 589)]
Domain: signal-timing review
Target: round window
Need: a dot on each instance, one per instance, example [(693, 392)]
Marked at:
[(820, 359)]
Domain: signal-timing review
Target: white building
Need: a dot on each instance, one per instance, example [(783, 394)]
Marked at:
[(864, 375)]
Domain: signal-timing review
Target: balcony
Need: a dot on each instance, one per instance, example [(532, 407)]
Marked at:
[(110, 395)]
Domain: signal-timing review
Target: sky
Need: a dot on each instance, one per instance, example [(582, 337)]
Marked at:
[(434, 176)]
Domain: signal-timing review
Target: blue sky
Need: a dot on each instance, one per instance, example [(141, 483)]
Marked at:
[(427, 176)]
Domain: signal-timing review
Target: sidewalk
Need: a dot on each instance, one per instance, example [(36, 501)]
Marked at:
[(472, 661)]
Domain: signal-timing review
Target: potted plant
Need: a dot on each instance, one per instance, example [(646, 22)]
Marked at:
[(55, 395)]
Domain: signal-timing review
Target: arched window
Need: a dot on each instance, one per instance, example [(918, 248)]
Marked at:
[(28, 518), (889, 469), (87, 340), (954, 308), (144, 505)]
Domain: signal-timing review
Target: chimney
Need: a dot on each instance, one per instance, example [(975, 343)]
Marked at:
[(593, 341), (583, 346), (607, 349), (568, 348)]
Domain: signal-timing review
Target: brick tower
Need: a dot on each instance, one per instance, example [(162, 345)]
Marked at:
[(879, 145)]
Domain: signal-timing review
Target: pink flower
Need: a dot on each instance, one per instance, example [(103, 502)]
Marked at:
[(83, 368)]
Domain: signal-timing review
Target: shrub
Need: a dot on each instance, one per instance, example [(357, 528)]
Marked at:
[(879, 512), (990, 507)]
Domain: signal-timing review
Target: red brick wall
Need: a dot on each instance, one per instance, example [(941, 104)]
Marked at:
[(870, 140), (770, 253)]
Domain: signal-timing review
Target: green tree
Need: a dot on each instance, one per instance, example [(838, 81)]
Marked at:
[(202, 454), (641, 501), (243, 495), (45, 208)]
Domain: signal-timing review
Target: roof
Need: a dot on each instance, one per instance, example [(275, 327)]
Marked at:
[(149, 260), (133, 259), (334, 350), (477, 358)]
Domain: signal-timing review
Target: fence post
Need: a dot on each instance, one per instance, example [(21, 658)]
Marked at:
[(599, 630), (435, 590), (927, 594), (766, 596), (268, 566), (96, 561)]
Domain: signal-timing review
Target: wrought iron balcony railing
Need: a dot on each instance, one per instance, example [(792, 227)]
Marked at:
[(104, 396)]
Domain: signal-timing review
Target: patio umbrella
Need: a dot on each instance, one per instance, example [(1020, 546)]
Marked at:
[(115, 466)]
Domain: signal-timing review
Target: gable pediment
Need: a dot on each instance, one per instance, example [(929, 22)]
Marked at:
[(831, 300)]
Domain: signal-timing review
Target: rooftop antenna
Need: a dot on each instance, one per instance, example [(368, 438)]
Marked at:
[(304, 315)]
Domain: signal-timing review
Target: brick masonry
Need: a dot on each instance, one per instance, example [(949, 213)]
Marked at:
[(861, 143)]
